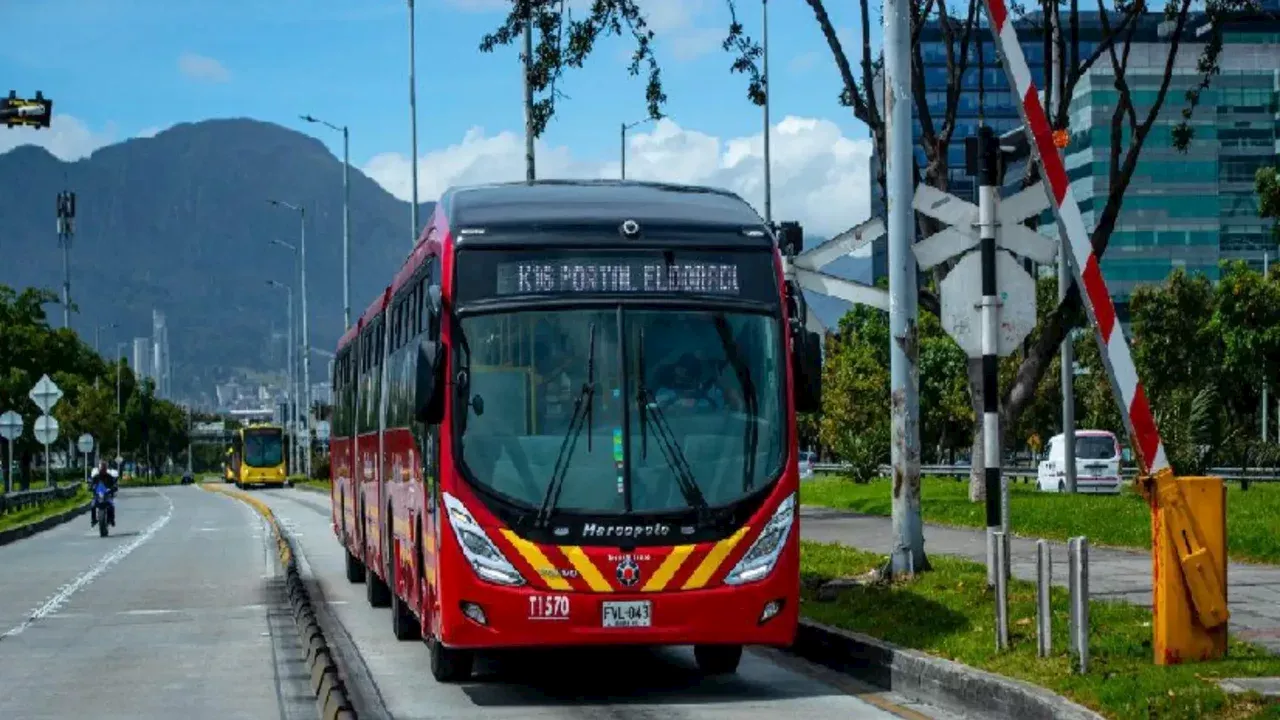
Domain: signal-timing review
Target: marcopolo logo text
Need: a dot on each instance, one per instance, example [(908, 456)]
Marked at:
[(596, 530)]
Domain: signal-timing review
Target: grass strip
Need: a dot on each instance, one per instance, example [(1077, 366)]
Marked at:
[(36, 513), (1122, 520), (948, 612)]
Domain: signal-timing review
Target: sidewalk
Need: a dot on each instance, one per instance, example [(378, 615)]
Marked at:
[(1253, 593)]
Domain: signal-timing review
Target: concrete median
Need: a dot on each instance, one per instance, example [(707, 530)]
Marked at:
[(925, 678), (326, 677)]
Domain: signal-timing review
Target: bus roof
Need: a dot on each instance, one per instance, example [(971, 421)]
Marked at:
[(587, 202)]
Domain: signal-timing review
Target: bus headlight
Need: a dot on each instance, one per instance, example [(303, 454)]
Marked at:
[(486, 559), (764, 552)]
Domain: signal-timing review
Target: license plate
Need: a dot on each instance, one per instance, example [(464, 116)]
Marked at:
[(637, 613)]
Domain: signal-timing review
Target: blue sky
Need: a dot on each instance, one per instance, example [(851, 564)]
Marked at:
[(125, 67)]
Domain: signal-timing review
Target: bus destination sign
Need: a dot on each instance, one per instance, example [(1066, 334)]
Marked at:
[(617, 276)]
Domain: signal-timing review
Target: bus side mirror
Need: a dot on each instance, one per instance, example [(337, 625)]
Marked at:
[(807, 360), (434, 310), (427, 405)]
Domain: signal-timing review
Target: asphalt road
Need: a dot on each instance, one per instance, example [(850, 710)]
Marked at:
[(179, 613), (393, 679)]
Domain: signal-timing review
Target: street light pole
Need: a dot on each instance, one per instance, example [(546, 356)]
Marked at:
[(290, 397), (768, 184), (119, 412), (306, 337), (625, 128), (413, 129), (530, 172), (346, 216)]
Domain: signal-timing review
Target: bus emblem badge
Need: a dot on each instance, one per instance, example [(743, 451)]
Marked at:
[(628, 571)]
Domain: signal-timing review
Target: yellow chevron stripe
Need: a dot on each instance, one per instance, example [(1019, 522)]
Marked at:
[(668, 568), (713, 559), (586, 568), (540, 563)]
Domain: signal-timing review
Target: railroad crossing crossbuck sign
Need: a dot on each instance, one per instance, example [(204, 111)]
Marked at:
[(808, 265), (962, 286)]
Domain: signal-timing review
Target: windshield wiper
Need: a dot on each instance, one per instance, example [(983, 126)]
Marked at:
[(751, 433), (667, 442), (582, 415)]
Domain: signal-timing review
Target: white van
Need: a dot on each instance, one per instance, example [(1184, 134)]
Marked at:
[(1097, 463)]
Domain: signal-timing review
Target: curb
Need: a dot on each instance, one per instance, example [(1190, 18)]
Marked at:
[(926, 678), (24, 531), (326, 679)]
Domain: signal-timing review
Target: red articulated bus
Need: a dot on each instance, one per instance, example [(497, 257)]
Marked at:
[(569, 421)]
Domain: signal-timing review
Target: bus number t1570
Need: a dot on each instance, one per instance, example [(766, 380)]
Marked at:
[(548, 607)]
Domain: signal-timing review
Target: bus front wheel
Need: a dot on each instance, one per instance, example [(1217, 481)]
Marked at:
[(717, 659), (449, 665)]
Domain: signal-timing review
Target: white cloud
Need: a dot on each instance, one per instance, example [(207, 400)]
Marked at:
[(199, 67), (67, 137), (819, 176)]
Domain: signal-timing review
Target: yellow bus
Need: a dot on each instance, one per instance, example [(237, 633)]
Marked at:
[(228, 471), (257, 456)]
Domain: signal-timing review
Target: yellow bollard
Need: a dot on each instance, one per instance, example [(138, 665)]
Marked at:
[(1189, 567)]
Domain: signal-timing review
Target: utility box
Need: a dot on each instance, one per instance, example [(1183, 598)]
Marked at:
[(1189, 556)]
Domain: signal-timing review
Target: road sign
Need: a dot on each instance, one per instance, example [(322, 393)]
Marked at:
[(45, 394), (322, 430), (46, 430), (962, 235), (119, 460), (962, 299), (85, 443), (10, 425)]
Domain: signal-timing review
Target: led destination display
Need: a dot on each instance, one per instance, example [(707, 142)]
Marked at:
[(730, 275), (610, 277)]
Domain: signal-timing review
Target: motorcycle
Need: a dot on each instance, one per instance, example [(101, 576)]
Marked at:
[(103, 508)]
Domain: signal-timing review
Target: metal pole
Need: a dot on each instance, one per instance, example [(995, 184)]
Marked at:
[(529, 172), (290, 396), (413, 129), (66, 280), (1067, 349), (346, 230), (189, 466), (1002, 593), (119, 410), (47, 481), (306, 345), (1044, 585), (768, 183), (1266, 258), (8, 469), (988, 199), (908, 544), (623, 154)]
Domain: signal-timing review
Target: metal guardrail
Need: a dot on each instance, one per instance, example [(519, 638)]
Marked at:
[(15, 501), (1252, 475)]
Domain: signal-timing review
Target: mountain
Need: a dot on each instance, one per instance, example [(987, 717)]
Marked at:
[(180, 222)]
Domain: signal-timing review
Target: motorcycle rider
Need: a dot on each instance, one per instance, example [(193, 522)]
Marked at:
[(103, 475)]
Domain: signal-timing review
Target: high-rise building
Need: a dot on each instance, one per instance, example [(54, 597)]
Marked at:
[(1181, 209), (142, 357), (160, 354)]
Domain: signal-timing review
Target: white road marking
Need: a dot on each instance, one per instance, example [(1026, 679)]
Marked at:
[(66, 591)]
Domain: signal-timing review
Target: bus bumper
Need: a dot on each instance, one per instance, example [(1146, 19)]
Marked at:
[(523, 617)]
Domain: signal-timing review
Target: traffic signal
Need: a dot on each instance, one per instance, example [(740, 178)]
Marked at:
[(22, 112), (790, 237)]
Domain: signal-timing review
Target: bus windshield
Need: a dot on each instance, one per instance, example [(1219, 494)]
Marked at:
[(263, 448), (681, 397)]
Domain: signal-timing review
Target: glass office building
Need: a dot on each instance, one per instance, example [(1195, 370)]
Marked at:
[(1187, 209)]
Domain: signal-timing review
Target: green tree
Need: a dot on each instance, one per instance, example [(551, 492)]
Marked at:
[(855, 396)]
